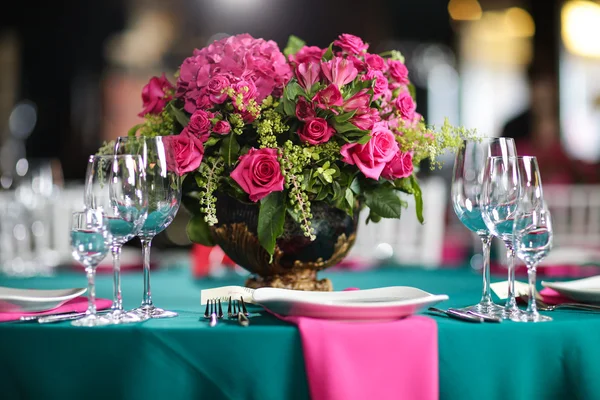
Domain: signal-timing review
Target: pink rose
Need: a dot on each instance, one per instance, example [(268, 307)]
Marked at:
[(381, 82), (375, 61), (155, 95), (351, 44), (308, 54), (259, 173), (246, 88), (328, 97), (199, 125), (406, 106), (400, 166), (216, 87), (184, 153), (222, 127), (316, 131), (304, 110), (372, 157), (339, 71), (398, 71), (308, 74)]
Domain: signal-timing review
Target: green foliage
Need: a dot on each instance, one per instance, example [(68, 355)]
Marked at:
[(230, 149), (198, 231), (294, 44), (418, 198), (207, 180), (384, 202), (271, 219)]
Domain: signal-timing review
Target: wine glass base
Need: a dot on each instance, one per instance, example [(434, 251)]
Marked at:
[(485, 308), (510, 313), (531, 317), (147, 312), (91, 320), (123, 317)]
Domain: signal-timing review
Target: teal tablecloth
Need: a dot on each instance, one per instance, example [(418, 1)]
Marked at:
[(183, 358)]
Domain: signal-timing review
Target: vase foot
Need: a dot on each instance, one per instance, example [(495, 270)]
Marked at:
[(301, 280)]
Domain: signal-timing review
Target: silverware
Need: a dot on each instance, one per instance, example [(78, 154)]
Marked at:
[(486, 318), (452, 313), (58, 317), (239, 311), (542, 306), (212, 312)]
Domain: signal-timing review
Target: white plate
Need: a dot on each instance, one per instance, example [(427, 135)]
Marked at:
[(34, 300), (585, 290), (384, 303)]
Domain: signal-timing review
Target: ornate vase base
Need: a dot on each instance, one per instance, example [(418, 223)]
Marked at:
[(298, 280)]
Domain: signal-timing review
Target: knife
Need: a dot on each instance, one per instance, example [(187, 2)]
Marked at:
[(456, 314)]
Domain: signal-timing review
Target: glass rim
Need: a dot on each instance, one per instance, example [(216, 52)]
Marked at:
[(113, 156), (517, 157)]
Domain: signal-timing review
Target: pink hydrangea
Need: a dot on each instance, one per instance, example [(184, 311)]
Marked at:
[(238, 58)]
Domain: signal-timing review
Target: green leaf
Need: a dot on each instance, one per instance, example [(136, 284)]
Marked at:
[(211, 141), (230, 149), (418, 198), (338, 192), (179, 115), (384, 202), (355, 186), (294, 44), (404, 185), (289, 107), (365, 139), (349, 198), (373, 217), (271, 218), (328, 54), (292, 90), (198, 231), (345, 127), (344, 117), (412, 91), (134, 129)]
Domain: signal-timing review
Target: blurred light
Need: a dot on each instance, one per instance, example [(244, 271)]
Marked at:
[(22, 167), (22, 119), (519, 22), (464, 10), (581, 28), (384, 251)]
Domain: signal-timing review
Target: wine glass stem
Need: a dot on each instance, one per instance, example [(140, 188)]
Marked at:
[(511, 301), (486, 297), (117, 298), (532, 305), (146, 244), (91, 277)]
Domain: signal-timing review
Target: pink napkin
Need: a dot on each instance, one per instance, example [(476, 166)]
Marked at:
[(551, 296), (370, 360), (78, 304)]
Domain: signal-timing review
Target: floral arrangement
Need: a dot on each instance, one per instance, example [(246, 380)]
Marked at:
[(283, 130)]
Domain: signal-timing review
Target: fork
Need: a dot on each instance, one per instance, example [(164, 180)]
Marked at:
[(212, 312), (237, 309), (542, 306)]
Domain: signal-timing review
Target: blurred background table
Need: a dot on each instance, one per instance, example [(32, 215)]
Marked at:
[(184, 358)]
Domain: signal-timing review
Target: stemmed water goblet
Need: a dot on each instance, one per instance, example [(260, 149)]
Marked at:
[(90, 241), (532, 231), (467, 184), (163, 189), (500, 197), (116, 186)]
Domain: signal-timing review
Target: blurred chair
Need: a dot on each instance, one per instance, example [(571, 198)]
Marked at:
[(575, 213), (406, 241)]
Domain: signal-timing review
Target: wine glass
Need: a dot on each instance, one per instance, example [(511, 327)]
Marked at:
[(116, 186), (163, 188), (532, 231), (90, 241), (500, 197), (467, 184)]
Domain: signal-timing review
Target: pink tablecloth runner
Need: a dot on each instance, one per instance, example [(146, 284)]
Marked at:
[(78, 304), (370, 360)]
